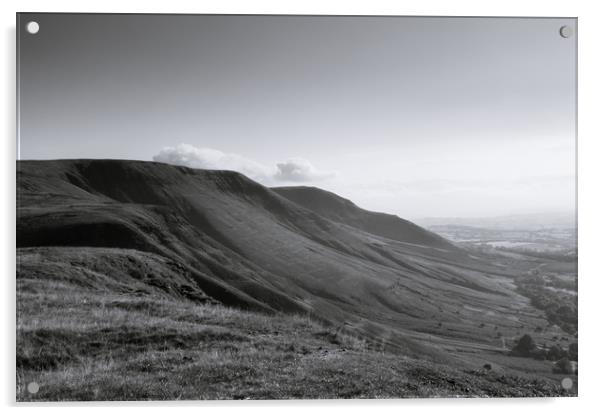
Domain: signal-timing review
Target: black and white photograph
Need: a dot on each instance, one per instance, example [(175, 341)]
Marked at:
[(292, 207)]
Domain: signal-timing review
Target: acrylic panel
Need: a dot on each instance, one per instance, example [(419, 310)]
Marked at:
[(295, 207)]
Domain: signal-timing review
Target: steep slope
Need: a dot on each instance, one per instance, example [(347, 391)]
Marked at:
[(338, 209), (246, 245)]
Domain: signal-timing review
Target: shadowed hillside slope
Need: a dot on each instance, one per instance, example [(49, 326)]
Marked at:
[(245, 245), (338, 209)]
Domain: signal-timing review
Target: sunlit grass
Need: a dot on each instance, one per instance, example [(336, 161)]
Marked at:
[(91, 345)]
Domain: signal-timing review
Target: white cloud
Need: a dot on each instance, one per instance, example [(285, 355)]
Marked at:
[(299, 170), (292, 170), (208, 158)]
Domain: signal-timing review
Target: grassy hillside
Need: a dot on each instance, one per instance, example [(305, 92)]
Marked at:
[(93, 234), (95, 338), (341, 210), (246, 246)]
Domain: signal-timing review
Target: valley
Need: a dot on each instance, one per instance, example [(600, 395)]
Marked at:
[(211, 283)]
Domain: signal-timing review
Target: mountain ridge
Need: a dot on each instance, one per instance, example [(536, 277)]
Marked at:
[(248, 246), (339, 209)]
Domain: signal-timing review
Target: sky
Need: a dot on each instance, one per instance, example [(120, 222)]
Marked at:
[(419, 117)]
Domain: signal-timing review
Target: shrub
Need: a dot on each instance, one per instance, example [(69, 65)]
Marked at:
[(525, 346), (555, 353), (563, 366)]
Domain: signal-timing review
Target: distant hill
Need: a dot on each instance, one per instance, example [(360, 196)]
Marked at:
[(537, 221), (341, 210), (219, 236)]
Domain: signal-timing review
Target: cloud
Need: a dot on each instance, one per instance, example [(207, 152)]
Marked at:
[(292, 170), (208, 158), (299, 170)]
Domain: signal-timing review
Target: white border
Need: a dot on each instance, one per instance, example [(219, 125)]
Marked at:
[(590, 209)]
